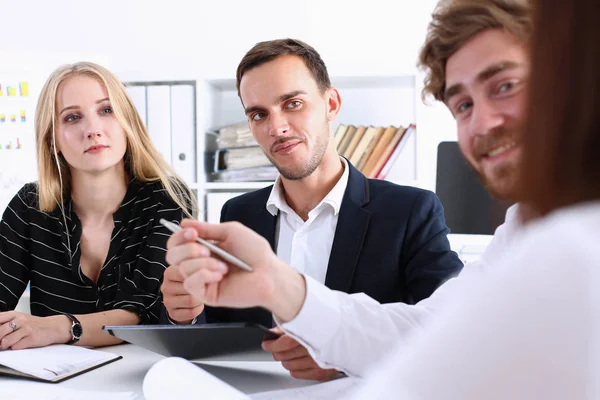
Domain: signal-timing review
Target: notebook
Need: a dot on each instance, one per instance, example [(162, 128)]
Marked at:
[(54, 363)]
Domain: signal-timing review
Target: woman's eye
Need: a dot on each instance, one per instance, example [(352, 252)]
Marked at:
[(106, 110), (71, 118)]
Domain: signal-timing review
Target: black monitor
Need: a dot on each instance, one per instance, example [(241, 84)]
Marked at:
[(468, 207)]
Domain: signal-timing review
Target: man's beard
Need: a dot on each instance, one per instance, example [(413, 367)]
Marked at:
[(501, 181), (313, 162)]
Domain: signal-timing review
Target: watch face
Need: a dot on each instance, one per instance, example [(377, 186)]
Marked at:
[(77, 331)]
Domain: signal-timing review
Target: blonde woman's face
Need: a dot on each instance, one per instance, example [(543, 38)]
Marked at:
[(87, 132)]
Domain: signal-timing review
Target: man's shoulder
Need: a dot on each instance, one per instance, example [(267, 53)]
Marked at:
[(256, 196), (237, 208), (388, 192)]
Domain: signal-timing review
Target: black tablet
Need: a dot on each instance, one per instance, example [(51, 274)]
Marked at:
[(206, 342)]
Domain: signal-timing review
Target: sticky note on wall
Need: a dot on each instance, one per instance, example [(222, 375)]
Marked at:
[(24, 89)]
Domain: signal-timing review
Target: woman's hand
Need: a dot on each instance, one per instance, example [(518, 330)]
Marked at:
[(23, 331)]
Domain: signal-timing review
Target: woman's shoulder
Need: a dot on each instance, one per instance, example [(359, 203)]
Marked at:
[(561, 246), (27, 197), (574, 227), (24, 206), (155, 189), (159, 193)]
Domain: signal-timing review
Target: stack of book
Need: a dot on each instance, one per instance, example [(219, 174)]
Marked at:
[(238, 157), (372, 150)]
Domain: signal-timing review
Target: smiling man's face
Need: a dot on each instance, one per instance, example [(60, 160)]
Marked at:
[(486, 91)]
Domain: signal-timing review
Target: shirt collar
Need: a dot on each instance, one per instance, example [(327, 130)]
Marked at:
[(276, 201)]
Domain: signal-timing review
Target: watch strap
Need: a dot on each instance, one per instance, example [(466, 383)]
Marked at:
[(76, 329)]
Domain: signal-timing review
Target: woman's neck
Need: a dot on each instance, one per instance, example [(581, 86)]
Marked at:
[(98, 196)]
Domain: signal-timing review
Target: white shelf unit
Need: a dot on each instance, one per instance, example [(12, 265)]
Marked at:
[(366, 100)]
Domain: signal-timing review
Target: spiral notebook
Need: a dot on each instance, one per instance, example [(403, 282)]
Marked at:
[(54, 363)]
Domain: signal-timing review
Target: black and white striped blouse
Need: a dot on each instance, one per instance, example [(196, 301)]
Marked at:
[(34, 248)]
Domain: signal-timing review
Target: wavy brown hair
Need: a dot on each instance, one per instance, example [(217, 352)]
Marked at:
[(455, 22)]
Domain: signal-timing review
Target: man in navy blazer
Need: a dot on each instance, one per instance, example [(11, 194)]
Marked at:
[(322, 216), (390, 243)]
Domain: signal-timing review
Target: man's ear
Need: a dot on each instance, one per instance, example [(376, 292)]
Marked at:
[(334, 103)]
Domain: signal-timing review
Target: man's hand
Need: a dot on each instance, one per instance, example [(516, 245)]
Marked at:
[(23, 331), (181, 306), (210, 281), (295, 358)]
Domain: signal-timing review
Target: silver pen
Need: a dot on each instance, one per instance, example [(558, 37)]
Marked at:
[(220, 252)]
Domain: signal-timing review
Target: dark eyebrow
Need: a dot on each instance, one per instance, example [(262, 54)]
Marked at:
[(76, 107), (280, 99), (483, 76), (287, 96)]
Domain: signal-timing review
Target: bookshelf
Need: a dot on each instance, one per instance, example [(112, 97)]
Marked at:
[(366, 100)]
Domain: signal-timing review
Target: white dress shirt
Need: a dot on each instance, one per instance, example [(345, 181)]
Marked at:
[(306, 245), (530, 329), (355, 332)]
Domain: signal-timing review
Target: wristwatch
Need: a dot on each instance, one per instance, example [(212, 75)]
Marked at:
[(76, 329)]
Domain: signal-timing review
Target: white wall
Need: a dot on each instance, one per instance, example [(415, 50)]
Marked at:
[(185, 39)]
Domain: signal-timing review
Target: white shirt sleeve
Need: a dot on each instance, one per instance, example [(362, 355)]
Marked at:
[(354, 331), (527, 331)]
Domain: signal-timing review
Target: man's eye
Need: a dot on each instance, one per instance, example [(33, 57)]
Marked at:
[(257, 117), (506, 86), (294, 104), (462, 107)]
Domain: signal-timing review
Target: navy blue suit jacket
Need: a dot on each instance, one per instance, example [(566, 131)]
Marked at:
[(390, 243)]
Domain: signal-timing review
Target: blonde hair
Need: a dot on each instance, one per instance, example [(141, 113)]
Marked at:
[(142, 160), (454, 22)]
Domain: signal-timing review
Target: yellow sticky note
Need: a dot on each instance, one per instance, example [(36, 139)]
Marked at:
[(24, 88)]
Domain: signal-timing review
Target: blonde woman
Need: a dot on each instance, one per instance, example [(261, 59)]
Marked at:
[(86, 235)]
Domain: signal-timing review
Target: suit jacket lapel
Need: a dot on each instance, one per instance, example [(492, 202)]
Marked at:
[(265, 225), (353, 221)]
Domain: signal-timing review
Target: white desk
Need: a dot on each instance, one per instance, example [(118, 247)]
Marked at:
[(127, 374)]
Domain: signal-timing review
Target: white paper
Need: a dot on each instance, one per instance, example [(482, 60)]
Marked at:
[(53, 361), (176, 378), (336, 389), (26, 390)]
